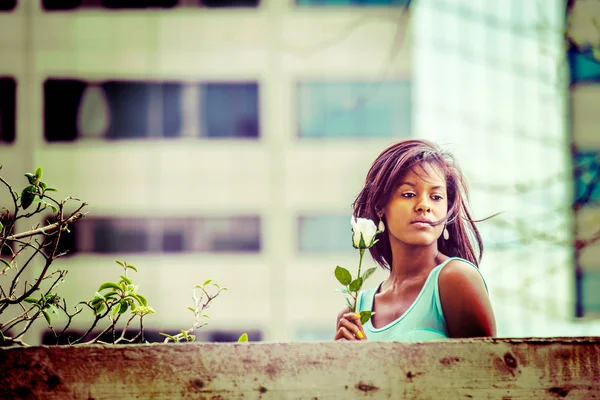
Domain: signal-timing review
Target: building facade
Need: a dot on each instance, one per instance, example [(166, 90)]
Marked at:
[(226, 140)]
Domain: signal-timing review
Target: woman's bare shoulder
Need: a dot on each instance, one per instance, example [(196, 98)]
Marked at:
[(465, 301)]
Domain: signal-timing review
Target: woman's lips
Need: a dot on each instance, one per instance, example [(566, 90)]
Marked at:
[(421, 225)]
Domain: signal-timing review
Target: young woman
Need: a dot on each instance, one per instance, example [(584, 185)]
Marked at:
[(430, 246)]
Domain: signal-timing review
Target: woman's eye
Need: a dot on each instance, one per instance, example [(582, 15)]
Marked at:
[(408, 195), (437, 198)]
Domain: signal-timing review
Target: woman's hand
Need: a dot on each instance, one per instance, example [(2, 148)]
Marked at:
[(349, 327)]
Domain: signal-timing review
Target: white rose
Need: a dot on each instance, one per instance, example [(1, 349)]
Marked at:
[(363, 227)]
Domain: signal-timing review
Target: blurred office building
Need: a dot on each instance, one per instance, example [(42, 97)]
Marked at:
[(227, 139)]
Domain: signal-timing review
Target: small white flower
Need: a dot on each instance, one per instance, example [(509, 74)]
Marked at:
[(365, 228)]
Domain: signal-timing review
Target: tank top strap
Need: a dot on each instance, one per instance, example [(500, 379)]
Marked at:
[(366, 298)]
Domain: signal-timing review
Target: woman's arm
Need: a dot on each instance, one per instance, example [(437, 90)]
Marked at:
[(465, 302)]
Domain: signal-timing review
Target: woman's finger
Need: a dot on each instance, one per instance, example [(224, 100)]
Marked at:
[(344, 334), (353, 328), (354, 318)]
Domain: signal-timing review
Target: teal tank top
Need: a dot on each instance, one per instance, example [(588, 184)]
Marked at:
[(423, 320)]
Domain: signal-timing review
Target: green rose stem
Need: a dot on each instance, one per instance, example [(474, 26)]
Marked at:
[(362, 253), (355, 294)]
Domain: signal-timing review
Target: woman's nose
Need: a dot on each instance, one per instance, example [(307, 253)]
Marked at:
[(423, 207)]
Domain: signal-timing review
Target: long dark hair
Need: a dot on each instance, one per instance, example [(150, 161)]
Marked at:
[(382, 180)]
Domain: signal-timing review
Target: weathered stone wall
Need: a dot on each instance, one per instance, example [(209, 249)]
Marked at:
[(479, 369)]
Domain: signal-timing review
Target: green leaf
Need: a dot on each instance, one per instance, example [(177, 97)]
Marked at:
[(107, 285), (47, 204), (117, 308), (168, 336), (356, 284), (43, 185), (184, 333), (96, 301), (343, 275), (368, 273), (51, 189), (30, 178), (110, 295), (53, 207), (123, 307), (136, 297), (47, 316), (207, 282), (27, 196), (365, 316), (99, 296), (31, 300), (126, 279), (143, 310), (38, 173), (143, 299), (5, 262), (120, 263), (100, 308), (243, 338), (205, 316), (1, 227), (132, 267), (192, 310)]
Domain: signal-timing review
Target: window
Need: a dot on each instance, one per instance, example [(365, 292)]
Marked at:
[(7, 5), (68, 239), (62, 5), (354, 110), (230, 109), (230, 3), (112, 235), (113, 109), (8, 91), (354, 3), (584, 68), (75, 109), (324, 233), (590, 287), (587, 177)]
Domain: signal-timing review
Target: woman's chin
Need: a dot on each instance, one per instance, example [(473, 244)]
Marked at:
[(420, 241)]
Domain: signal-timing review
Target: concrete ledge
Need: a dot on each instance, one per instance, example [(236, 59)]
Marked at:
[(480, 369)]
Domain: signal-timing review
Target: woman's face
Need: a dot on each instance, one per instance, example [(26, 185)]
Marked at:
[(421, 198)]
